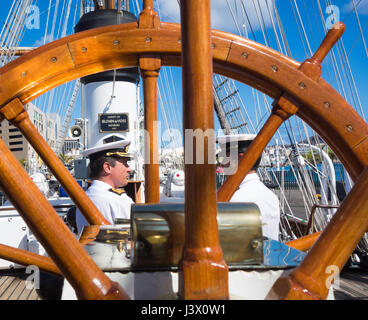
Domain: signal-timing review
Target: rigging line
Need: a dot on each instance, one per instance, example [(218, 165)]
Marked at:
[(19, 28), (326, 66), (303, 29), (345, 72), (301, 187), (244, 25), (47, 23), (254, 93), (332, 58), (281, 28), (4, 35), (13, 32), (312, 153), (63, 33), (263, 21), (61, 25), (138, 9), (274, 28), (169, 88), (258, 108), (63, 22), (225, 95), (246, 112), (360, 28), (40, 100), (54, 20), (6, 20), (282, 194), (357, 39), (300, 34), (46, 101), (311, 28), (50, 94), (353, 82), (260, 24), (234, 19), (8, 26), (262, 117), (14, 27), (231, 102), (61, 101), (233, 93), (19, 36), (250, 25), (163, 111), (169, 85), (355, 91), (351, 11), (18, 16), (173, 97), (163, 99), (332, 52), (172, 81)]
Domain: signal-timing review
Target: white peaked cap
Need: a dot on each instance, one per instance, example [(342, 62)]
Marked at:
[(119, 148)]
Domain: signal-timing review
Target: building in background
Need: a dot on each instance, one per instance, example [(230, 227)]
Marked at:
[(46, 124), (72, 147)]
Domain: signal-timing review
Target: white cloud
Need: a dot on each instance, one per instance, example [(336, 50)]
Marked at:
[(222, 17), (362, 7), (168, 10), (41, 42)]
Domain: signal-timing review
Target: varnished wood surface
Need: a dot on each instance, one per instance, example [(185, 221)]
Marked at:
[(150, 67), (203, 273)]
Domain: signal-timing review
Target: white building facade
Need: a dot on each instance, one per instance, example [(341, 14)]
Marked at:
[(47, 126)]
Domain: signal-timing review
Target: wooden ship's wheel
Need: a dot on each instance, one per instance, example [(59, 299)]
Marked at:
[(297, 89)]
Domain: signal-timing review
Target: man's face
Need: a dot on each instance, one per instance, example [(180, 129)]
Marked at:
[(119, 173)]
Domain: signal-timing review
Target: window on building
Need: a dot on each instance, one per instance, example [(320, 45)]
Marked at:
[(14, 130), (16, 149), (15, 143), (15, 136)]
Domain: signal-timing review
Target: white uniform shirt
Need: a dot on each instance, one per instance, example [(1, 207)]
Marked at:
[(110, 204), (253, 190)]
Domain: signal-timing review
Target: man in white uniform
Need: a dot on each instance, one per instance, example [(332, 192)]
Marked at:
[(109, 171), (252, 189)]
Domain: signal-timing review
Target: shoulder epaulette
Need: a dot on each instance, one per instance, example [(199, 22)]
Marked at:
[(117, 191)]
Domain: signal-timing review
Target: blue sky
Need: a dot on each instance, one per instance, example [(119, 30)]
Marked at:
[(223, 18)]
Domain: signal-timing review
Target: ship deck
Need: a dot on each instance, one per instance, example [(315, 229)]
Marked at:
[(13, 286), (352, 285)]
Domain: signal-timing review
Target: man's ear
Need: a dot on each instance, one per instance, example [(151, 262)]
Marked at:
[(106, 168)]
